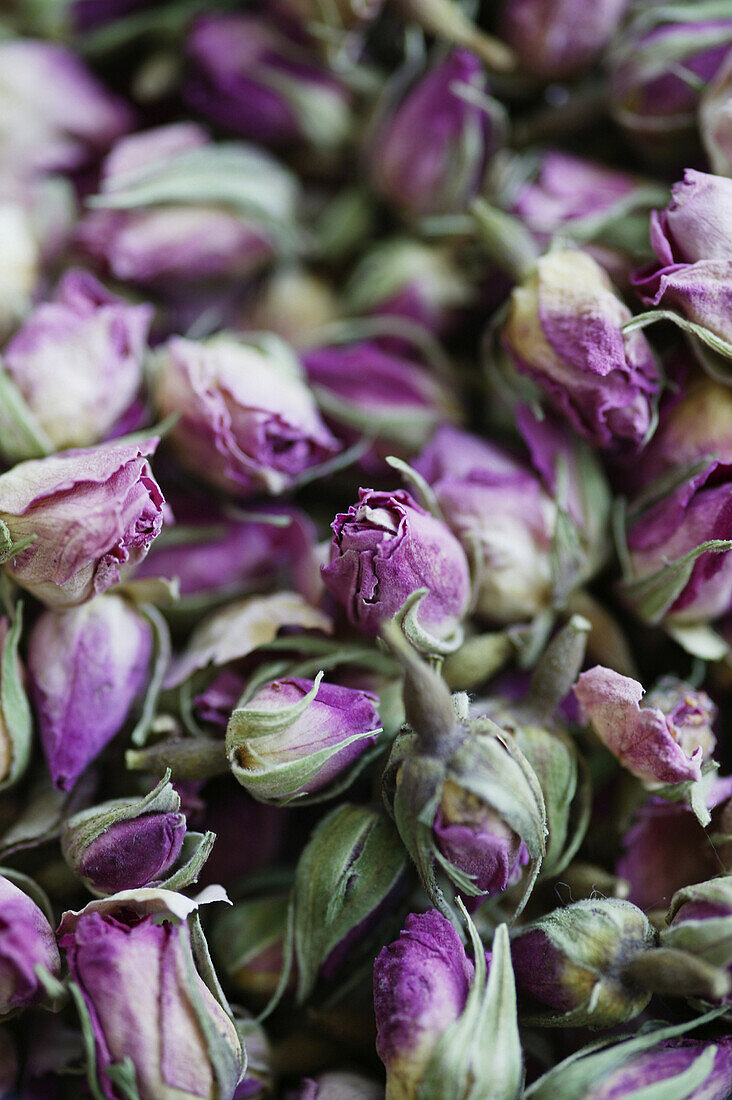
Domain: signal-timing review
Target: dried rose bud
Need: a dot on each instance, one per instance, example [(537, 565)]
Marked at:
[(465, 799), (700, 923), (679, 566), (715, 119), (294, 737), (90, 515), (26, 942), (385, 549), (497, 507), (428, 153), (253, 79), (656, 1059), (404, 277), (153, 223), (693, 244), (77, 361), (555, 39), (127, 843), (248, 422), (86, 668), (56, 116), (426, 992), (663, 740), (572, 963), (350, 876), (564, 329), (365, 389), (127, 955), (651, 96)]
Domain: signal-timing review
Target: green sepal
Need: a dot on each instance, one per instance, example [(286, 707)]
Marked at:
[(15, 713), (710, 339), (10, 549), (21, 436), (479, 1056), (248, 928), (196, 849), (352, 863), (43, 813), (652, 596), (708, 938), (575, 1077), (407, 619), (693, 792), (161, 659)]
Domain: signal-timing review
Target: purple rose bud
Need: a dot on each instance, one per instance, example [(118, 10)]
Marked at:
[(127, 962), (566, 188), (693, 243), (295, 736), (658, 68), (555, 39), (497, 506), (248, 422), (654, 1062), (26, 941), (269, 88), (572, 962), (715, 119), (92, 515), (387, 547), (681, 524), (127, 843), (154, 223), (403, 277), (366, 389), (214, 557), (421, 985), (475, 839), (56, 116), (338, 1085), (86, 666), (564, 329), (666, 848), (664, 740), (77, 360), (429, 153)]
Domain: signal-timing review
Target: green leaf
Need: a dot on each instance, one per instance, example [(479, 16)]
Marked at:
[(15, 712)]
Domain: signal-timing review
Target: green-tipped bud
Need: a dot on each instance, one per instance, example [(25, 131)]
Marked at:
[(248, 943), (349, 877), (571, 964)]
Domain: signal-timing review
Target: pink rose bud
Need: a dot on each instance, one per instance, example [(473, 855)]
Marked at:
[(555, 39), (663, 740), (77, 360), (86, 666), (80, 519), (57, 117), (26, 942), (153, 223), (429, 153), (564, 330), (253, 79), (248, 422)]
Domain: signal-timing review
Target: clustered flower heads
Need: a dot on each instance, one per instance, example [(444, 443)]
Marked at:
[(366, 550)]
